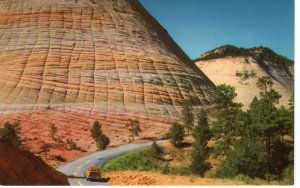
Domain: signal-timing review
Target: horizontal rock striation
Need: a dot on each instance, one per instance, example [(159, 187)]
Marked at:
[(73, 61)]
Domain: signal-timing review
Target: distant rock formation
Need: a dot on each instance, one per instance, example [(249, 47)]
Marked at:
[(18, 167), (241, 68), (71, 62)]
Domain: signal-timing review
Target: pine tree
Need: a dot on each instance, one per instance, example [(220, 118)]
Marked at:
[(224, 97), (96, 130), (176, 134), (270, 124), (200, 151), (246, 158), (263, 114), (256, 138), (10, 133), (187, 116), (227, 121), (102, 141)]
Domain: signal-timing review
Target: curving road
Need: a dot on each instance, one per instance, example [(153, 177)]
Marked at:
[(75, 169)]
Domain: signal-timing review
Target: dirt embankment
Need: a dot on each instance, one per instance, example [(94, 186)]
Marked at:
[(154, 178), (18, 167)]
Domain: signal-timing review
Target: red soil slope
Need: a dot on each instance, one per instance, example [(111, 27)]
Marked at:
[(19, 167)]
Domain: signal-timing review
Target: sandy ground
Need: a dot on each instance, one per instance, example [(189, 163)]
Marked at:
[(153, 178)]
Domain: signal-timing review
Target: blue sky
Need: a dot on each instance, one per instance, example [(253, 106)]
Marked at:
[(201, 25)]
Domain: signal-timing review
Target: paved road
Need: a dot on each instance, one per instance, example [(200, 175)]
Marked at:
[(75, 169)]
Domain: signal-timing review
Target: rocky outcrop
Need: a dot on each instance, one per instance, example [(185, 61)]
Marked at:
[(241, 68), (71, 62)]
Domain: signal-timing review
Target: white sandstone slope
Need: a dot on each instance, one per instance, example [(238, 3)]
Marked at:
[(241, 69)]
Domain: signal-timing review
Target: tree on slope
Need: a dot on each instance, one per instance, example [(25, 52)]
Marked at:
[(96, 130), (134, 127), (264, 115), (102, 141), (187, 116), (176, 134), (10, 133), (228, 119), (200, 151), (259, 148)]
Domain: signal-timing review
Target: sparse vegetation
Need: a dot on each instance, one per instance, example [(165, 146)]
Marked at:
[(253, 146), (45, 147), (10, 133), (155, 150), (53, 130), (259, 53), (224, 51), (133, 128), (165, 169), (96, 130), (176, 134), (187, 115), (101, 140), (144, 161), (71, 145), (200, 152), (245, 75)]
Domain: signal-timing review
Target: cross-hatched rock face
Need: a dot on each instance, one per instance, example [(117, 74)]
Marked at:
[(74, 61)]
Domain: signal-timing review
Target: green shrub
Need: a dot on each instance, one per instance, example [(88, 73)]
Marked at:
[(288, 175), (176, 134), (136, 160), (155, 150), (247, 158), (102, 142), (166, 169)]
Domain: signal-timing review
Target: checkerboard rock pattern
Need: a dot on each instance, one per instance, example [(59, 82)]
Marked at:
[(71, 62)]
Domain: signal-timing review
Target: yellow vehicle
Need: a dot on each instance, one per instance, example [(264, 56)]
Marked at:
[(92, 173)]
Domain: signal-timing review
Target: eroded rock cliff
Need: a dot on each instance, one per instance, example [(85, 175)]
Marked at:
[(71, 62)]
